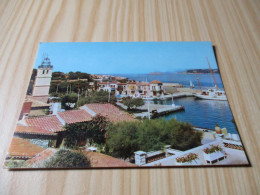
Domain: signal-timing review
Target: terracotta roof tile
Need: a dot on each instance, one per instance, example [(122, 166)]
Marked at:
[(142, 84), (111, 112), (101, 160), (156, 82), (37, 101), (42, 156), (75, 116), (23, 148), (32, 130), (50, 123)]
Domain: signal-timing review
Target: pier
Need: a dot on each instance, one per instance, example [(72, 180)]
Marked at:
[(177, 95), (156, 110)]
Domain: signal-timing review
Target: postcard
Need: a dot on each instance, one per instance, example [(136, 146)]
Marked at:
[(125, 105)]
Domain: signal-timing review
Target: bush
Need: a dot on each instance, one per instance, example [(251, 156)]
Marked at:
[(68, 102), (93, 130), (97, 97), (67, 159), (125, 138), (132, 103)]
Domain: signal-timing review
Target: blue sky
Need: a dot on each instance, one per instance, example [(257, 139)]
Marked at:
[(127, 57)]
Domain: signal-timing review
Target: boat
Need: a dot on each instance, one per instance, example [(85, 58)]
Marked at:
[(213, 93), (191, 85)]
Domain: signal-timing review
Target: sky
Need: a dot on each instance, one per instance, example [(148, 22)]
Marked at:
[(127, 57)]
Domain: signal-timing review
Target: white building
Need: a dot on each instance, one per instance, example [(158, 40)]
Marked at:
[(42, 80), (134, 89)]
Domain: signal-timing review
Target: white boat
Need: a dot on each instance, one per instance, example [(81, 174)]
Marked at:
[(191, 85), (213, 93)]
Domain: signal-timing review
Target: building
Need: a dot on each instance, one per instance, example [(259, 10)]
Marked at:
[(22, 149), (48, 130), (42, 80), (134, 89), (36, 135)]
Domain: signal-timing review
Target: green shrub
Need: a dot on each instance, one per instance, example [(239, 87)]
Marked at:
[(125, 138), (67, 159)]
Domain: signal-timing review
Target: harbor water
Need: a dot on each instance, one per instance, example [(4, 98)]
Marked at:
[(198, 112), (202, 113)]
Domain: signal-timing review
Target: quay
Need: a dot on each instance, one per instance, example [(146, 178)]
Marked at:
[(155, 110), (177, 95)]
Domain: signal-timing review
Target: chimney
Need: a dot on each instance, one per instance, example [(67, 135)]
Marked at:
[(166, 147), (140, 158), (55, 108), (22, 121)]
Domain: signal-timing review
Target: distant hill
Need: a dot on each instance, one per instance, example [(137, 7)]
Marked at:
[(155, 73), (201, 71)]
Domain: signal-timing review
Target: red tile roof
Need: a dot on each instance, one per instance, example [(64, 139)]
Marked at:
[(23, 148), (32, 130), (101, 160), (111, 112), (42, 156), (40, 101), (122, 84), (50, 123), (103, 83), (142, 84), (75, 116), (131, 83), (156, 82)]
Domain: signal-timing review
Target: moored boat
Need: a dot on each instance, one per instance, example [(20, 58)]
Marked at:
[(213, 93)]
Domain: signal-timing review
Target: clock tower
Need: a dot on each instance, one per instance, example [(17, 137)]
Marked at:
[(42, 80)]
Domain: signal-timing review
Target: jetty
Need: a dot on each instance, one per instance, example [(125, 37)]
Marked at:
[(155, 110), (177, 95)]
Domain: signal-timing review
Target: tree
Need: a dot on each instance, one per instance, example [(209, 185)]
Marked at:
[(75, 133), (67, 159), (185, 137), (97, 97), (125, 138), (132, 103), (122, 139), (93, 131), (68, 102), (80, 75), (96, 129), (58, 76)]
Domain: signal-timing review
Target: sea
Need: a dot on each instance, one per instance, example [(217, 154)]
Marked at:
[(198, 112)]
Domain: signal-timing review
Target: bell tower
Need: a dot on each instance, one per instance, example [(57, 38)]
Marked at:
[(42, 80)]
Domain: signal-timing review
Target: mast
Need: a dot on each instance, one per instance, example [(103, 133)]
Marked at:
[(212, 73), (198, 81)]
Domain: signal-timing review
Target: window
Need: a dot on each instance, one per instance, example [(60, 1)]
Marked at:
[(43, 71), (47, 71)]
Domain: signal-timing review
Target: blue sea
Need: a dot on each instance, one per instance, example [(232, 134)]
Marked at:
[(198, 112)]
